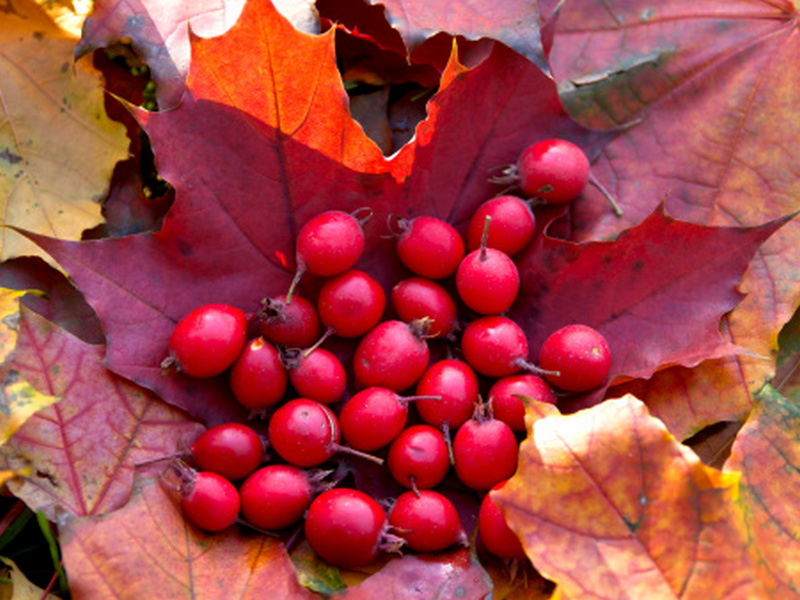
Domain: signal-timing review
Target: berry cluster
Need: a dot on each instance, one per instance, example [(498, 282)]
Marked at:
[(451, 425)]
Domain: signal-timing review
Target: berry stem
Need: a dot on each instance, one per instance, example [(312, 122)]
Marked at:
[(301, 268), (485, 237), (530, 367), (367, 213), (318, 343), (599, 186), (354, 452)]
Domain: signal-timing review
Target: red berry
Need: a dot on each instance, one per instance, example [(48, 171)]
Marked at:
[(330, 243), (493, 530), (317, 375), (372, 418), (275, 496), (513, 225), (393, 355), (304, 433), (418, 457), (258, 377), (427, 521), (232, 450), (429, 247), (579, 354), (206, 341), (295, 324), (487, 281), (345, 527), (485, 452), (457, 385), (351, 304), (507, 407), (417, 298), (210, 501), (553, 171), (494, 345)]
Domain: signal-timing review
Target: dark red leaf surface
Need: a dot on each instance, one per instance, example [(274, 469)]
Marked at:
[(656, 293), (166, 558), (83, 449)]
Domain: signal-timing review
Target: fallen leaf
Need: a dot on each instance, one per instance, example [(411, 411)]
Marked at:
[(656, 293), (17, 586), (263, 164), (716, 92), (594, 520), (57, 148), (9, 321), (84, 449), (514, 23), (767, 453), (165, 557), (420, 577)]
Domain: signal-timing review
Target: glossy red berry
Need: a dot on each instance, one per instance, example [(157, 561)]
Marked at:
[(494, 532), (232, 450), (553, 171), (351, 303), (429, 247), (258, 377), (457, 384), (418, 457), (417, 298), (206, 341), (345, 527), (494, 345), (579, 354), (276, 496), (427, 521), (317, 374), (513, 225), (372, 418), (330, 243), (210, 501), (294, 325), (485, 452), (506, 405), (392, 355), (304, 433), (487, 281)]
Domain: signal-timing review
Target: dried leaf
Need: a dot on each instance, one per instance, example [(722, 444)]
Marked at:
[(84, 449), (165, 557), (58, 147), (767, 454), (608, 504)]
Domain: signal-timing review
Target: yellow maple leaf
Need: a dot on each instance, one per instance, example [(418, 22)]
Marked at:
[(57, 146)]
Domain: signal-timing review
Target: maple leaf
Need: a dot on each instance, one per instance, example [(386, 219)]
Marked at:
[(83, 449), (715, 87), (514, 23), (766, 453), (18, 399), (57, 146), (168, 557), (159, 31), (263, 163), (656, 293), (595, 523)]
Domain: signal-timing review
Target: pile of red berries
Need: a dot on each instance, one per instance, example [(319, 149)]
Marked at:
[(452, 426)]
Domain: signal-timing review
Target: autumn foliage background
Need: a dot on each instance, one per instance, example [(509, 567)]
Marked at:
[(163, 153)]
